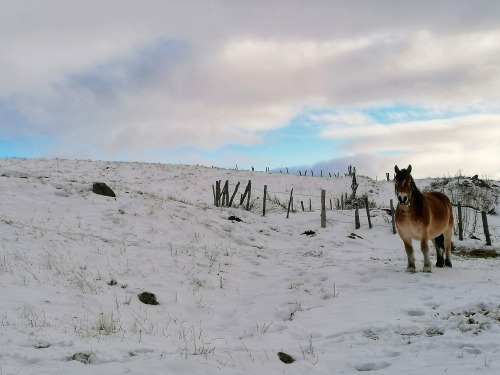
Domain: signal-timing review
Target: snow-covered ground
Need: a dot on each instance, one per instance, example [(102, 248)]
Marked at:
[(231, 294)]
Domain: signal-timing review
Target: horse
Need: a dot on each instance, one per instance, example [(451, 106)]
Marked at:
[(423, 217)]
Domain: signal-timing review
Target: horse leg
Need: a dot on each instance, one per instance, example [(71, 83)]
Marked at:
[(447, 247), (424, 246), (439, 245), (411, 256)]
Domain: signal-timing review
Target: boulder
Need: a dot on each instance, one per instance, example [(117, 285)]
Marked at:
[(101, 188)]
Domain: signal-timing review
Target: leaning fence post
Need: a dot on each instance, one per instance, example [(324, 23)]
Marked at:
[(247, 191), (393, 221), (485, 228), (289, 203), (368, 213), (243, 196), (232, 197), (323, 209), (264, 201), (460, 225)]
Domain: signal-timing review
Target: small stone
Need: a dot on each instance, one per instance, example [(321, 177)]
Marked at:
[(285, 358), (148, 298)]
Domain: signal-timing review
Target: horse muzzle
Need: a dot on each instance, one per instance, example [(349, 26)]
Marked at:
[(403, 199)]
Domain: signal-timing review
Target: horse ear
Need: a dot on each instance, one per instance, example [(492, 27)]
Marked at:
[(409, 168), (396, 169)]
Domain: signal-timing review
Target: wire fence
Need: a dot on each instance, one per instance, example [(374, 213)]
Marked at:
[(344, 209)]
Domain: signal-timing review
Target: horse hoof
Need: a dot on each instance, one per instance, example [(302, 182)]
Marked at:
[(411, 270), (427, 269), (447, 263)]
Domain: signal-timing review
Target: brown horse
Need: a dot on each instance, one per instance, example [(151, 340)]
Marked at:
[(423, 217)]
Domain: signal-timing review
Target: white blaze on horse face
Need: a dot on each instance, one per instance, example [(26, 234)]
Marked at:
[(403, 191)]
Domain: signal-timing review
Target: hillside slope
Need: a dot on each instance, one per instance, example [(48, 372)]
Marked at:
[(231, 294)]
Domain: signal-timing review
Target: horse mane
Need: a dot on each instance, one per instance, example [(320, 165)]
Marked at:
[(418, 198)]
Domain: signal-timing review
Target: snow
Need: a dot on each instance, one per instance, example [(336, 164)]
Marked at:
[(231, 294)]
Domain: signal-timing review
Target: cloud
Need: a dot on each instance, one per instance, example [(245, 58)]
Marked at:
[(439, 146), (124, 77)]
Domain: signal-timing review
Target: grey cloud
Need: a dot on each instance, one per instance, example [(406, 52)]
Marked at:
[(129, 75)]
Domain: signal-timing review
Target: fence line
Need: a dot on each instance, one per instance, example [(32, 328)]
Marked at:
[(221, 198)]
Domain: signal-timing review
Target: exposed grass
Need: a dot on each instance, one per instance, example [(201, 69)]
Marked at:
[(476, 253)]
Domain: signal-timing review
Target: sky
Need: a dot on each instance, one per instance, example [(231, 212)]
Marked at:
[(273, 84)]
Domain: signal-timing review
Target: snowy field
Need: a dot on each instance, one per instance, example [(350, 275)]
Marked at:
[(231, 294)]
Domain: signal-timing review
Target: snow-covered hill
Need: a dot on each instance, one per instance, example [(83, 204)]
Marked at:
[(231, 294)]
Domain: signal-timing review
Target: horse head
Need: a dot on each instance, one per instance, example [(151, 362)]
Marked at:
[(403, 185)]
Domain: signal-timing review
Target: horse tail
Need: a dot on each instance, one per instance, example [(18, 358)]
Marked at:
[(440, 241)]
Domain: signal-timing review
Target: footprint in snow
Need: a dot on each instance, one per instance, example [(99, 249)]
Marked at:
[(372, 366), (415, 312)]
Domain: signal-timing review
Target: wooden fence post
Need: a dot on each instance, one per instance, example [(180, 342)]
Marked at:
[(289, 203), (302, 205), (368, 213), (310, 205), (264, 201), (460, 224), (225, 194), (393, 221), (323, 209), (217, 193), (485, 228), (249, 193), (243, 196), (356, 218), (234, 193)]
